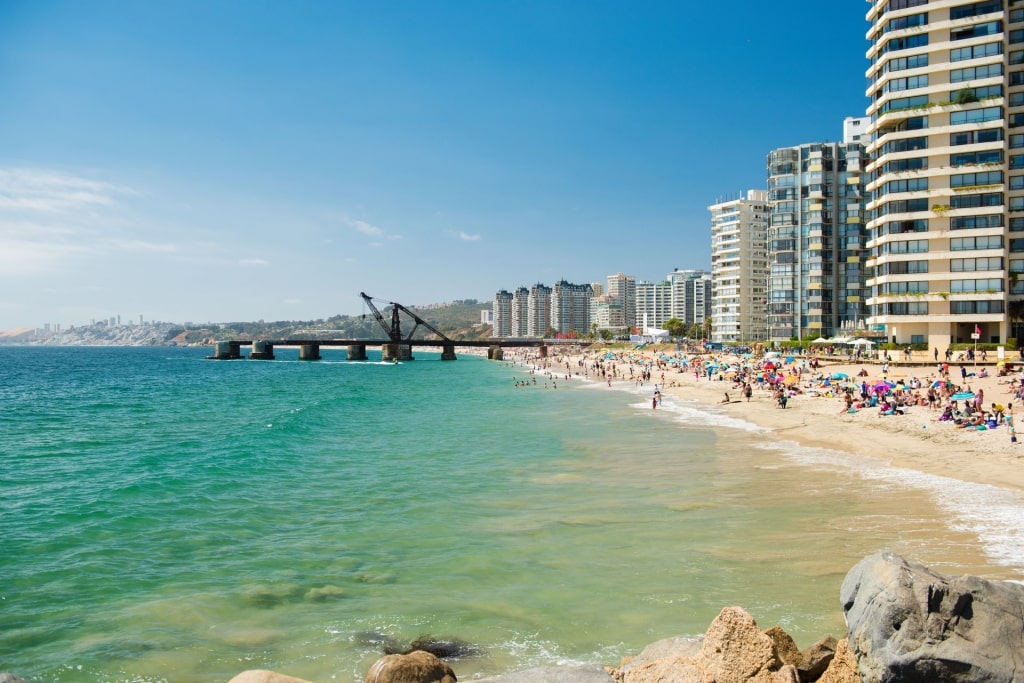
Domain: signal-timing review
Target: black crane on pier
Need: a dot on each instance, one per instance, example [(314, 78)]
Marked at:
[(394, 330)]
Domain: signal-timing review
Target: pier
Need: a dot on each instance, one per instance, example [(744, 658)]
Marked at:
[(397, 347), (309, 349)]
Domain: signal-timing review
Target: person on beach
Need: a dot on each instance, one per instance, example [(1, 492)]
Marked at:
[(726, 399), (747, 391)]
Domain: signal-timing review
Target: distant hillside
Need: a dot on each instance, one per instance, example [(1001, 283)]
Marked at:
[(458, 320)]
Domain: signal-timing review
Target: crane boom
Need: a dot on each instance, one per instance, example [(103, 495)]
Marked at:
[(394, 330)]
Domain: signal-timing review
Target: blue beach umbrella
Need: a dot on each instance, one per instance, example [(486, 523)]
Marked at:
[(840, 375)]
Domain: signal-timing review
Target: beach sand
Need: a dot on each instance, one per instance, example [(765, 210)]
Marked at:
[(916, 440)]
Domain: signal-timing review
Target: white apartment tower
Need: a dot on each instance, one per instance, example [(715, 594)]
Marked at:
[(946, 228), (622, 289), (653, 304), (520, 313), (501, 314), (691, 296), (538, 311), (739, 268)]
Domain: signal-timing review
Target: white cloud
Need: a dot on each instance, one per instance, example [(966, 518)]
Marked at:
[(254, 262), (465, 237), (34, 190), (369, 230)]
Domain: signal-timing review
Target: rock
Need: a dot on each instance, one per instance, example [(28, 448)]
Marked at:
[(553, 674), (415, 667), (6, 677), (843, 667), (668, 647), (785, 646), (734, 650), (445, 648), (262, 676), (816, 659), (908, 623)]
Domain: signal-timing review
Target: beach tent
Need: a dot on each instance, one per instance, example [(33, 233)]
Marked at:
[(820, 340), (863, 342), (963, 396)]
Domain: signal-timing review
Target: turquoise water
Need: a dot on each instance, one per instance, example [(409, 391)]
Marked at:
[(168, 518)]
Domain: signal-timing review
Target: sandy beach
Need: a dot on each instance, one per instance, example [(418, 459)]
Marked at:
[(816, 415)]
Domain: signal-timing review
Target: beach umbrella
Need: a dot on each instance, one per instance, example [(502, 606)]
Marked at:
[(938, 383), (840, 375), (791, 380), (963, 396), (789, 359)]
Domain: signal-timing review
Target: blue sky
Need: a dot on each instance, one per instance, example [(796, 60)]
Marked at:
[(225, 161)]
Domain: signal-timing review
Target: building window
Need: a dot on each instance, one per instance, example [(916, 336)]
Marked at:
[(973, 72), (972, 179), (994, 284), (972, 307), (962, 265), (975, 243), (976, 115), (916, 40), (994, 220), (971, 137), (993, 156), (989, 28), (975, 52), (976, 9), (974, 201), (911, 62), (907, 247), (904, 4)]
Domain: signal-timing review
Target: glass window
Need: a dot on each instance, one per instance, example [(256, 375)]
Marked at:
[(989, 28), (994, 220), (975, 243), (976, 115), (976, 9), (971, 179), (987, 50), (970, 137), (971, 73)]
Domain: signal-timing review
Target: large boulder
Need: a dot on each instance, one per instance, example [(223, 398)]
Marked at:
[(908, 623), (415, 667), (734, 650)]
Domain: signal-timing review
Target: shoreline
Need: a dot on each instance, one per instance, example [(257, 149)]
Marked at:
[(915, 441)]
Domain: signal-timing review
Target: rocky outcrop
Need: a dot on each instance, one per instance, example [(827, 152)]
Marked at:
[(908, 623), (734, 650), (6, 677), (415, 667)]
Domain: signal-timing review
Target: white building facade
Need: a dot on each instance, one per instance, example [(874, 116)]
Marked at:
[(739, 268)]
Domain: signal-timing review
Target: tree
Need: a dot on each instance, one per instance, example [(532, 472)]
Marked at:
[(675, 327)]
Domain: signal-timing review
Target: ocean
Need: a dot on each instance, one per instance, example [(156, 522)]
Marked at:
[(169, 518)]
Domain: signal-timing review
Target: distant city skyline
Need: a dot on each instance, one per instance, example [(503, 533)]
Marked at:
[(237, 161)]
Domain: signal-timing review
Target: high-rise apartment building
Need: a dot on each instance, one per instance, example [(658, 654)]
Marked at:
[(538, 311), (520, 312), (622, 289), (501, 314), (653, 304), (739, 268), (690, 296), (816, 237), (570, 307), (946, 229)]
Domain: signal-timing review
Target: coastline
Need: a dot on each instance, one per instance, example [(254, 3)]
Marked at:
[(916, 440)]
